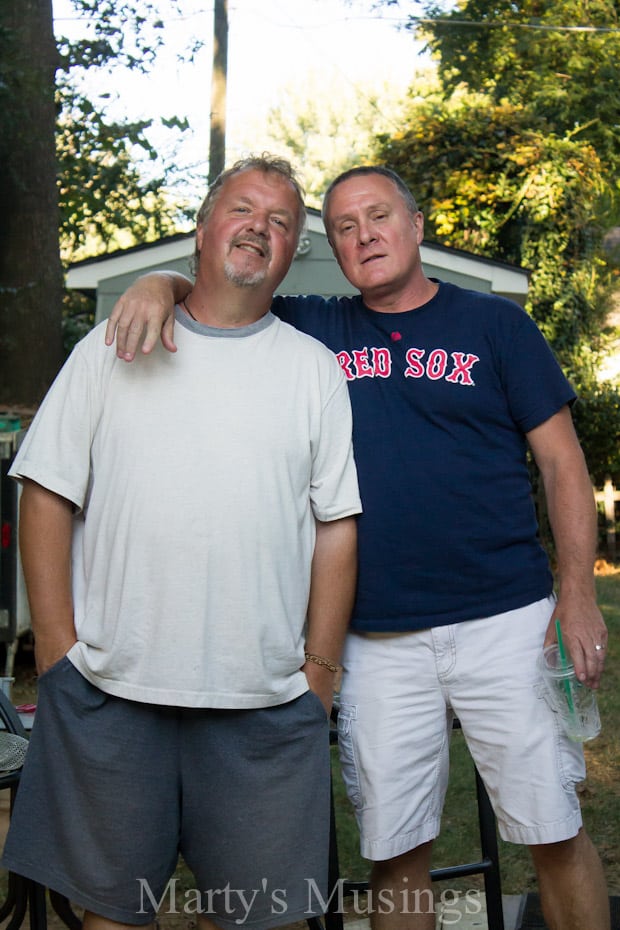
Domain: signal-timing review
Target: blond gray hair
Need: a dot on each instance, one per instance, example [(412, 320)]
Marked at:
[(268, 164)]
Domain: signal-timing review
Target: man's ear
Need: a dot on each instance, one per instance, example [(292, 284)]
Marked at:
[(418, 222), (200, 232)]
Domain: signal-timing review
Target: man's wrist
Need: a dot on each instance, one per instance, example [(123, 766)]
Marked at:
[(323, 662)]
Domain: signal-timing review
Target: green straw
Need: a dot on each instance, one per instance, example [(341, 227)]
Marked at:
[(564, 664)]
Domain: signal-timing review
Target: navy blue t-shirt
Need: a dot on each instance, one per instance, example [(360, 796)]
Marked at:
[(442, 397)]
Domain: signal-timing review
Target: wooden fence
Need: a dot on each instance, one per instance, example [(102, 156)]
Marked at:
[(608, 498)]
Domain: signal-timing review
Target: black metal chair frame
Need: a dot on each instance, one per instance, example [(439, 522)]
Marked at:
[(487, 865), (23, 894)]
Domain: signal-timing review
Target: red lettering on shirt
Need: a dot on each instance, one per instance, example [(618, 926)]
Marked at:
[(381, 363), (463, 364), (376, 362), (415, 369), (362, 366), (437, 363), (345, 361)]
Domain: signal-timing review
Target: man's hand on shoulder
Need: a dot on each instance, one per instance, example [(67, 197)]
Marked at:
[(144, 313)]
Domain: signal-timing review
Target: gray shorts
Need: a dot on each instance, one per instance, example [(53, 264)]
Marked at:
[(112, 791)]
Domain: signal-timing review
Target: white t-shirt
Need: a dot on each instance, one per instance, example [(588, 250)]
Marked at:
[(196, 477)]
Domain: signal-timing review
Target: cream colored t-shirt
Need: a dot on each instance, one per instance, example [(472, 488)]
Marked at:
[(197, 477)]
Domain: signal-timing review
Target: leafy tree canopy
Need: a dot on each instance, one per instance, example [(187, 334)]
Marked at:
[(561, 59), (105, 199), (519, 161), (324, 135), (489, 183)]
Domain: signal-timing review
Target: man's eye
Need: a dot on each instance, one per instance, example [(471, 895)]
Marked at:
[(280, 222)]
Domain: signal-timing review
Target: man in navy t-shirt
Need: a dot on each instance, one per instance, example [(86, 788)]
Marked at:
[(455, 598)]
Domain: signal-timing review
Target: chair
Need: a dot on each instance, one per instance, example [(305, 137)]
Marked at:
[(21, 893), (487, 865)]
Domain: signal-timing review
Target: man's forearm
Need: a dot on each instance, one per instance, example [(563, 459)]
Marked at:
[(145, 311), (570, 503), (572, 515), (45, 532), (332, 590)]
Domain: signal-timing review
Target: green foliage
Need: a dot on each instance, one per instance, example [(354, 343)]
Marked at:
[(561, 58), (106, 201), (597, 421), (78, 318), (128, 34), (489, 183), (324, 136)]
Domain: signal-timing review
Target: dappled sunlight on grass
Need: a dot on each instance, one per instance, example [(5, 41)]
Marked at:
[(603, 768)]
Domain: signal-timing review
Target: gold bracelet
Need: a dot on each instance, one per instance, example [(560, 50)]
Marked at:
[(323, 662)]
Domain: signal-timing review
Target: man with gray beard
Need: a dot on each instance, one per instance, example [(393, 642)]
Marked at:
[(188, 537)]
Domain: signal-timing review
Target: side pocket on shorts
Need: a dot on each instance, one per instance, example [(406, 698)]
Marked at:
[(313, 698), (57, 666), (569, 755), (571, 760), (347, 714)]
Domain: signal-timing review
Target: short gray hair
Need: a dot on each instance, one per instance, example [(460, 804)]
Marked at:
[(397, 181)]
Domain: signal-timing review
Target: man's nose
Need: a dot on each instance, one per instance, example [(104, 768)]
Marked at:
[(259, 223), (366, 234)]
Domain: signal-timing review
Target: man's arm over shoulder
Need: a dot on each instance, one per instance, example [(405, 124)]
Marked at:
[(332, 590), (145, 311), (45, 534), (572, 514)]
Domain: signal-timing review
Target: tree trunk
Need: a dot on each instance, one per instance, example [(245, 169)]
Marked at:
[(217, 142), (30, 269)]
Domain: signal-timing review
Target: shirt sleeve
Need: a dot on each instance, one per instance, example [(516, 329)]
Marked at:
[(334, 491), (55, 452), (535, 385)]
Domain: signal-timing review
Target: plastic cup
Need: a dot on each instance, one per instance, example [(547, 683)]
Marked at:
[(573, 702)]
